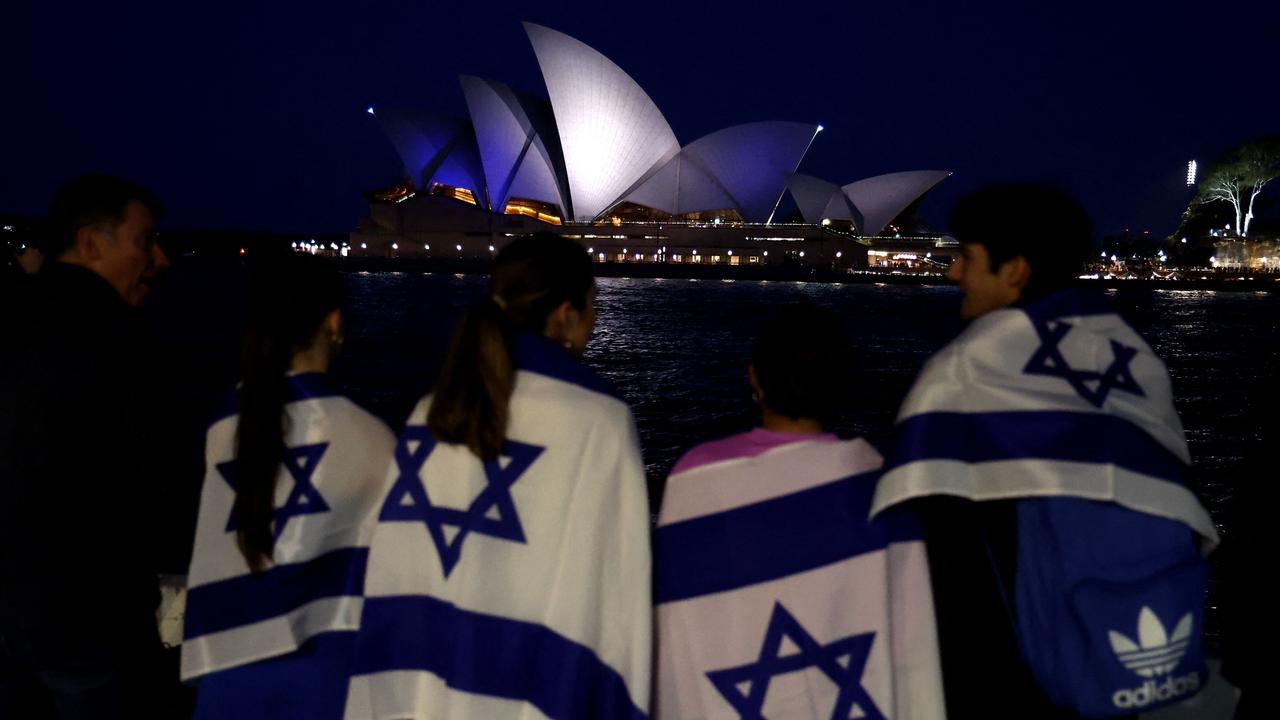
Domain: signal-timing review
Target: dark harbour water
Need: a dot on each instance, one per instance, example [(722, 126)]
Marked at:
[(677, 350)]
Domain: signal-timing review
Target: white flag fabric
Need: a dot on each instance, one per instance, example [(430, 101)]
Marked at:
[(518, 588), (335, 459), (1061, 398), (777, 597)]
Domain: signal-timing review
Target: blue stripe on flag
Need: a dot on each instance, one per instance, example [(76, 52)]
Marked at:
[(303, 386), (1033, 435), (773, 539), (247, 599), (490, 655)]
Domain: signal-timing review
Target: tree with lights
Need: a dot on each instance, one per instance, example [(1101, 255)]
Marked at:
[(1239, 176)]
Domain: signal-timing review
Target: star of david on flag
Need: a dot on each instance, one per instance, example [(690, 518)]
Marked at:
[(842, 661), (304, 499), (491, 513), (1049, 360)]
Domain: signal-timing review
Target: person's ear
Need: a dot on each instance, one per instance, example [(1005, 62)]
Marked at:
[(1015, 273), (88, 242), (557, 326), (333, 324), (756, 393)]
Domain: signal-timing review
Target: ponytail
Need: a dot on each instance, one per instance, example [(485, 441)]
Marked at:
[(471, 400), (289, 299), (259, 436), (531, 277)]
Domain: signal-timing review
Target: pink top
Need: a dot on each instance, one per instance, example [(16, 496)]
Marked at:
[(747, 444)]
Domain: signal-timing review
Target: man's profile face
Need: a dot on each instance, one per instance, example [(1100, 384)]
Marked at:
[(130, 257), (984, 288)]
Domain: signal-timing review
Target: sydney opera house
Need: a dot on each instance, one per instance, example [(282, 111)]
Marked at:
[(596, 161)]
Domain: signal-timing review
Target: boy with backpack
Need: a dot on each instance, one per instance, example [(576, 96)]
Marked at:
[(1043, 453)]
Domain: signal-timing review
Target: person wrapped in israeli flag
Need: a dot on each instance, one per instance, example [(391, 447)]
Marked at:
[(1058, 417), (509, 571), (293, 475), (776, 596)]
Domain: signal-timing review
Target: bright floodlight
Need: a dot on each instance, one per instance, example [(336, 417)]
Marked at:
[(819, 129), (1191, 173), (369, 109)]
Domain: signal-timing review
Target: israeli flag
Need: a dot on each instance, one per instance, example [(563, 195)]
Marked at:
[(517, 588), (335, 459), (778, 598), (1061, 398)]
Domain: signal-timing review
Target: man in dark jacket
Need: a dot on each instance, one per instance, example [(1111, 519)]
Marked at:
[(78, 586)]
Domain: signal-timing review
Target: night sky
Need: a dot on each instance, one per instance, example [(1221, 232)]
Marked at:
[(252, 115)]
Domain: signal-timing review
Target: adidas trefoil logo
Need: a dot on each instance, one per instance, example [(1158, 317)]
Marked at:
[(1155, 652)]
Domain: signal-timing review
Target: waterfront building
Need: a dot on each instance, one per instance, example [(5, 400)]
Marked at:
[(596, 161), (1240, 255)]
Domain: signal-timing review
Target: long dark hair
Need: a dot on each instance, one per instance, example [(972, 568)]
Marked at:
[(531, 277), (289, 298)]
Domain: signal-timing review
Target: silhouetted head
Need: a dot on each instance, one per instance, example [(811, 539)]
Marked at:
[(108, 225), (800, 363), (1017, 242)]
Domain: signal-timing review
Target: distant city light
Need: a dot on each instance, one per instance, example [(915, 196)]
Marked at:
[(730, 252), (459, 247), (293, 245), (590, 250), (426, 246), (363, 246), (1104, 255), (1113, 258), (8, 228), (1213, 259), (624, 251), (801, 253), (369, 110), (1191, 173), (333, 246), (395, 246), (1184, 241), (839, 253), (490, 248), (241, 251), (826, 221)]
